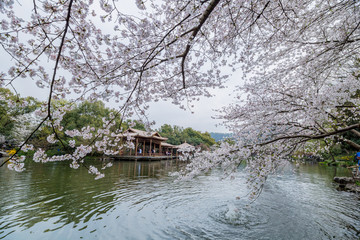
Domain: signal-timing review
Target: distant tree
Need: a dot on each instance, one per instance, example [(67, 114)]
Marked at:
[(196, 138), (85, 115), (177, 135), (173, 134), (134, 124)]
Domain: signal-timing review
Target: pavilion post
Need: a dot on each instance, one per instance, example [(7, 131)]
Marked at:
[(150, 147), (136, 146), (143, 152)]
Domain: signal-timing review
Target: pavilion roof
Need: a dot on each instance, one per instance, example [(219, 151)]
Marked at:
[(185, 145), (143, 134)]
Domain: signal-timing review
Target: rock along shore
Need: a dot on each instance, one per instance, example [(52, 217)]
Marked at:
[(348, 184)]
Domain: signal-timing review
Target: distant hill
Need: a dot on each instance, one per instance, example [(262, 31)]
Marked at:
[(220, 136)]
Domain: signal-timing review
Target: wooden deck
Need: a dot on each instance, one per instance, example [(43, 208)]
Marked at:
[(142, 158)]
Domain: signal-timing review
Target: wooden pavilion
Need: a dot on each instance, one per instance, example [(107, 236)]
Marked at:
[(146, 144), (185, 145)]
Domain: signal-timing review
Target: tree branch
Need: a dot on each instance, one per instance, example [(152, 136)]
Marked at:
[(196, 30), (58, 57), (346, 129), (352, 144)]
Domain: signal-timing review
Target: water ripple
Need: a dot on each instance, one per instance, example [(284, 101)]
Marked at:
[(139, 201)]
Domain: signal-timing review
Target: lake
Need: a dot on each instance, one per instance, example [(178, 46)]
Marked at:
[(138, 200)]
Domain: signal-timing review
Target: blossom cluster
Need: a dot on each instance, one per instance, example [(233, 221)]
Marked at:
[(17, 164)]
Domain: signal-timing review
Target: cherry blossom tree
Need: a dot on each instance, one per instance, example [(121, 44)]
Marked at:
[(301, 86), (17, 121), (299, 59)]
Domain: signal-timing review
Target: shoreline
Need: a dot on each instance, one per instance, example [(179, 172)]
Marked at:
[(348, 184)]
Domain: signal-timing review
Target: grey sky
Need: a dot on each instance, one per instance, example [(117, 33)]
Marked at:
[(165, 112), (201, 118)]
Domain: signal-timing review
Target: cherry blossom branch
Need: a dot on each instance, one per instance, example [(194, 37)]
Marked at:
[(26, 140), (49, 116), (67, 22), (202, 20), (308, 137), (26, 67)]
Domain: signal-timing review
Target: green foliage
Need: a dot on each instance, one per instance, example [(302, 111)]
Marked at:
[(174, 134), (82, 115), (349, 117), (86, 114), (336, 150), (6, 122), (340, 161), (177, 135), (29, 154), (346, 158)]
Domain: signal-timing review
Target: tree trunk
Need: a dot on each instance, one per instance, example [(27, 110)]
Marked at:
[(352, 144)]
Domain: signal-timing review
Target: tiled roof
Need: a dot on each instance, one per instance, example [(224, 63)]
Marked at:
[(139, 133), (185, 145)]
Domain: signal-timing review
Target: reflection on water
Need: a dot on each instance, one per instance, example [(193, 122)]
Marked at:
[(138, 200)]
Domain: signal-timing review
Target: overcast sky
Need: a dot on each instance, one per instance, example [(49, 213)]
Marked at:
[(201, 119), (160, 112), (165, 112)]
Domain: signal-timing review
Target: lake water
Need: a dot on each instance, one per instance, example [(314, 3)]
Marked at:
[(138, 200)]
